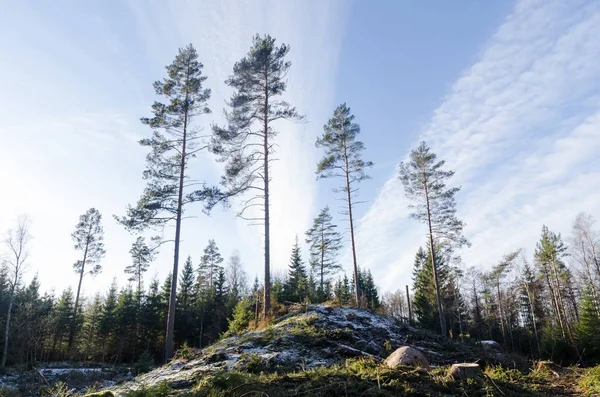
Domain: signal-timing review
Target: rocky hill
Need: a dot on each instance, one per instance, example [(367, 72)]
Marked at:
[(323, 351), (328, 351), (307, 338)]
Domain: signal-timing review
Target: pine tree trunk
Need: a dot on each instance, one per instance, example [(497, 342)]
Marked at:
[(322, 262), (349, 198), (74, 321), (173, 295), (267, 288), (410, 315), (435, 274)]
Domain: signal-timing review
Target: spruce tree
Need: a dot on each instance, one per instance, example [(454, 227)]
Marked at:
[(343, 160), (151, 320), (108, 321), (325, 243), (424, 301), (185, 304), (91, 327), (247, 143), (242, 316), (32, 323), (295, 287), (64, 318), (89, 239), (126, 316), (221, 310), (424, 183), (174, 143), (210, 263), (369, 289), (588, 337)]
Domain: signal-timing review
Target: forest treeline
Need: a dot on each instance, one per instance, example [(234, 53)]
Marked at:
[(125, 324), (547, 308)]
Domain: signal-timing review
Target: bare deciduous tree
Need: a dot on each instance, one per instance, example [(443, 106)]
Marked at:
[(16, 242)]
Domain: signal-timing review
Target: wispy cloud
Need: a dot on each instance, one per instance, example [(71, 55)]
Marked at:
[(521, 128), (79, 86)]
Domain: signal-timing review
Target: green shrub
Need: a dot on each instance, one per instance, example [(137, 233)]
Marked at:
[(590, 381), (387, 345), (185, 352), (106, 393), (243, 313), (144, 363), (160, 390), (251, 362), (60, 389)]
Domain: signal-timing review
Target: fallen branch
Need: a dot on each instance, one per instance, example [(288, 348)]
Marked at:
[(494, 383), (243, 385), (260, 393), (349, 349), (41, 375)]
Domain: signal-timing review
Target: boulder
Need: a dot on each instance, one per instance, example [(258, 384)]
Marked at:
[(464, 371), (407, 355), (491, 346)]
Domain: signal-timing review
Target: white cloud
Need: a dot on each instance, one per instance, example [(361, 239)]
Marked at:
[(521, 128)]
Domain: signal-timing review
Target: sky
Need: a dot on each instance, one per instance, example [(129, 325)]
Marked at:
[(507, 92)]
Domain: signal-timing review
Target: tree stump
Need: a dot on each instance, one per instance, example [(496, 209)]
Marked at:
[(464, 371), (548, 366)]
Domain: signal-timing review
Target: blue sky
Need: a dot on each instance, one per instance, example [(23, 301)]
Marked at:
[(507, 92)]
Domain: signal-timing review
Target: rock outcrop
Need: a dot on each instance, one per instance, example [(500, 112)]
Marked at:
[(306, 338)]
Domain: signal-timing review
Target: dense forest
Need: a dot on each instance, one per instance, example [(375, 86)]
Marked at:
[(545, 306)]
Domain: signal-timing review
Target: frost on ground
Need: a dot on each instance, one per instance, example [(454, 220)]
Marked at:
[(306, 338)]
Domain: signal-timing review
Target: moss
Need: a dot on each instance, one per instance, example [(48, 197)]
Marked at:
[(590, 381), (252, 362), (106, 393), (159, 390), (367, 377)]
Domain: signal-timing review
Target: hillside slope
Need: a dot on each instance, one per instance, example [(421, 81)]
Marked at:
[(304, 339), (313, 349)]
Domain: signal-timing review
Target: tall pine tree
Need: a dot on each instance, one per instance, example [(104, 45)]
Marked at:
[(174, 143), (247, 143), (424, 183), (343, 160), (89, 239)]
